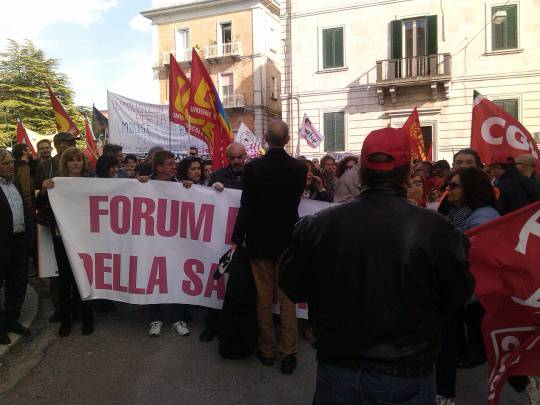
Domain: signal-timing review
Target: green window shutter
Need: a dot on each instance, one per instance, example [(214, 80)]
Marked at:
[(510, 106), (329, 132), (338, 47), (431, 37), (396, 40), (339, 131), (505, 35), (328, 48)]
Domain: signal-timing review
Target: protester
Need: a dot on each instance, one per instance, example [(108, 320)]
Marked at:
[(314, 189), (473, 200), (316, 164), (348, 185), (130, 165), (21, 161), (72, 164), (415, 190), (164, 169), (44, 149), (273, 186), (516, 190), (107, 167), (193, 151), (328, 171), (14, 257), (145, 168), (115, 151), (228, 177), (190, 171), (44, 164), (377, 312), (526, 164), (207, 171), (345, 164)]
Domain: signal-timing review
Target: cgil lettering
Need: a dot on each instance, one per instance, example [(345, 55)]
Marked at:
[(142, 216)]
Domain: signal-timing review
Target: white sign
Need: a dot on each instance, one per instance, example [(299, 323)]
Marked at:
[(249, 140), (147, 243), (138, 126), (312, 136)]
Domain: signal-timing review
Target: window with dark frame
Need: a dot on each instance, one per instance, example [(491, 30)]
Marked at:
[(510, 105), (505, 35), (332, 48), (427, 137), (273, 94), (334, 131)]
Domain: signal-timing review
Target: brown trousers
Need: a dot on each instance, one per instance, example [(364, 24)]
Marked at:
[(265, 273)]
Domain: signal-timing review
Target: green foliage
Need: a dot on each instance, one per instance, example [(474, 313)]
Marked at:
[(23, 71)]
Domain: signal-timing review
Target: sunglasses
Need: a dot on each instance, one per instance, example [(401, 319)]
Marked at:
[(453, 185)]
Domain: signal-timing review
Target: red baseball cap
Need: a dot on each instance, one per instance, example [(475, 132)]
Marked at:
[(393, 142), (501, 157)]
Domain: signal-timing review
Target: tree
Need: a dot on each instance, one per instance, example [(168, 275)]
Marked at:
[(23, 71)]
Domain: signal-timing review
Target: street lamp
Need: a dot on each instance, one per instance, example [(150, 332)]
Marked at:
[(499, 17)]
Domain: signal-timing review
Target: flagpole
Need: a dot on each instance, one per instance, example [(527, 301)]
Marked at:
[(170, 138), (189, 133)]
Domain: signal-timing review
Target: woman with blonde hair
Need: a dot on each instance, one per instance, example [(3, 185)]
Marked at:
[(72, 164)]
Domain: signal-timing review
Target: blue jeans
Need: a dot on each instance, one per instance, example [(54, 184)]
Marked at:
[(342, 386)]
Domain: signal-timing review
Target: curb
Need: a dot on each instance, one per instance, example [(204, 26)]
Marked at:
[(28, 314)]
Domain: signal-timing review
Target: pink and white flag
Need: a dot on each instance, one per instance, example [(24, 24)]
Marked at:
[(311, 134)]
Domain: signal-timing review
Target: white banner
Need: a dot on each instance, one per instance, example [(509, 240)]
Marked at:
[(249, 140), (312, 136), (148, 243), (138, 126)]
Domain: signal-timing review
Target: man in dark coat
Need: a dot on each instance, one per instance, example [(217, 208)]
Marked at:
[(516, 190), (273, 186), (14, 257), (379, 275)]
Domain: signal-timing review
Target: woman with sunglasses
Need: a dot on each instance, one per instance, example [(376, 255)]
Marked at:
[(472, 198)]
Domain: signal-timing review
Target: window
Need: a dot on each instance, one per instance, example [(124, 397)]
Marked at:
[(273, 93), (227, 88), (332, 48), (509, 105), (334, 131), (183, 48), (505, 35), (427, 137)]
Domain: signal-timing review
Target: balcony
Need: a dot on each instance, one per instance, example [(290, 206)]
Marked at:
[(429, 70), (235, 101), (222, 53)]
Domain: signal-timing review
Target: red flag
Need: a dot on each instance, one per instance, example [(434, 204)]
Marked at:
[(63, 121), (412, 126), (179, 89), (22, 137), (494, 130), (91, 151), (208, 119), (508, 286)]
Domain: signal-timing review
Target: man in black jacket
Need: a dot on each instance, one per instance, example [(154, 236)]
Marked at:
[(14, 257), (516, 190), (273, 186), (378, 274)]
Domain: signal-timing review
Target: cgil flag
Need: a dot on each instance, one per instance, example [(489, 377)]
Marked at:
[(413, 128), (63, 121), (494, 130), (508, 286), (91, 150), (22, 137), (179, 90), (208, 119), (308, 131)]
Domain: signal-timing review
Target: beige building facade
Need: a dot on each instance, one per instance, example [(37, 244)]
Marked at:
[(239, 42), (355, 66)]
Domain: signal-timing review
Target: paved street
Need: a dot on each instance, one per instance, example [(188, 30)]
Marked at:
[(120, 364)]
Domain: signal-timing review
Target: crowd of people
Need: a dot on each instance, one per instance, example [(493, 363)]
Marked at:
[(365, 267)]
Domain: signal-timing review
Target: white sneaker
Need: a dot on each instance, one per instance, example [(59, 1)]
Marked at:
[(180, 328), (445, 401), (533, 391), (155, 328)]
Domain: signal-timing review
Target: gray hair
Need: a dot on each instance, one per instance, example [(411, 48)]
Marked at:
[(4, 153)]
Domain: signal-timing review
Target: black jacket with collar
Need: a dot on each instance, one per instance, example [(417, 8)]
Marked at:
[(228, 178), (6, 227), (516, 191), (273, 186), (378, 274)]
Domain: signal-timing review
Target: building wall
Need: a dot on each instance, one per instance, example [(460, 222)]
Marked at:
[(514, 74)]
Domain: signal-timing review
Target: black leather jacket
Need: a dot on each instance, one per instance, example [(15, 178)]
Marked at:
[(378, 274)]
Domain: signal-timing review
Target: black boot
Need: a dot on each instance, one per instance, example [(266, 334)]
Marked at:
[(88, 325), (65, 328)]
